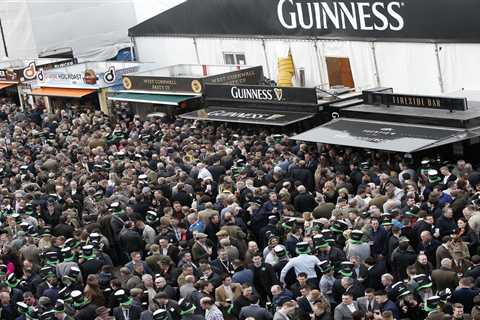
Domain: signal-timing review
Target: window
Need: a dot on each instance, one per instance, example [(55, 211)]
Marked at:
[(234, 58), (339, 72)]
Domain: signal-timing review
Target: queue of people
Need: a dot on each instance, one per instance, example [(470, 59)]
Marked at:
[(164, 219)]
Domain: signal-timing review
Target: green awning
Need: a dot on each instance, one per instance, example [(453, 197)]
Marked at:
[(166, 99)]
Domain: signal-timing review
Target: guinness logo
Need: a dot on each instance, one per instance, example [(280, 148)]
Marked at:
[(278, 93), (196, 86), (127, 83)]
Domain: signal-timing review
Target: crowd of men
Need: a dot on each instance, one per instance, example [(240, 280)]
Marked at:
[(117, 217)]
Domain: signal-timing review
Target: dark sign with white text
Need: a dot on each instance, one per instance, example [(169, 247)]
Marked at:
[(388, 20), (434, 102), (261, 94)]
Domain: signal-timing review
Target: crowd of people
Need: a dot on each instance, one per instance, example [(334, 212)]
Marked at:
[(117, 217)]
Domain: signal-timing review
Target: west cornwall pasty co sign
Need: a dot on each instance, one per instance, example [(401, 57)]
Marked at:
[(388, 20)]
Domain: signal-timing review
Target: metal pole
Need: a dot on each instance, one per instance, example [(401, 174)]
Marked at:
[(132, 51), (3, 39), (375, 64), (266, 59), (319, 61), (439, 67), (196, 50)]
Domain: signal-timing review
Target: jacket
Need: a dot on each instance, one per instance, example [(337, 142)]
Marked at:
[(221, 296), (342, 312), (134, 313), (444, 278), (255, 311)]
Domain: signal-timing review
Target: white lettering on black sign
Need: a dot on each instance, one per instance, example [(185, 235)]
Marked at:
[(339, 15), (245, 115)]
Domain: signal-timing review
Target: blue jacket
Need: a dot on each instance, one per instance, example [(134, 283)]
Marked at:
[(390, 306)]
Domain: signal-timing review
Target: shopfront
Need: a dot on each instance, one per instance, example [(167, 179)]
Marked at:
[(177, 89), (16, 76), (403, 123), (258, 105), (83, 85)]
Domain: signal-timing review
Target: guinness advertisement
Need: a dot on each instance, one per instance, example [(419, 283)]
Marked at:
[(388, 20), (273, 118), (387, 99), (192, 85), (261, 94)]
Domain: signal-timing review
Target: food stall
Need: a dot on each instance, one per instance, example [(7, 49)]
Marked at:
[(177, 89)]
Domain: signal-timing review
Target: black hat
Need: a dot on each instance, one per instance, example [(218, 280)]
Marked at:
[(432, 303), (122, 297), (87, 252), (346, 269), (3, 269), (33, 314), (67, 254), (302, 248), (423, 281), (328, 235), (319, 241), (325, 266), (272, 219), (78, 300), (72, 243), (364, 166), (48, 271), (386, 219), (151, 216), (74, 272), (48, 315), (32, 231), (64, 294), (115, 207), (339, 226), (356, 236), (444, 294), (433, 177), (22, 307), (161, 314), (12, 281), (280, 251), (29, 209), (59, 306), (412, 212), (399, 290), (52, 258), (46, 231), (289, 224), (186, 307), (94, 237)]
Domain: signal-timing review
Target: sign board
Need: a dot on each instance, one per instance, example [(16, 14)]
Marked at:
[(191, 84), (92, 76), (261, 94), (386, 20), (32, 70), (408, 100)]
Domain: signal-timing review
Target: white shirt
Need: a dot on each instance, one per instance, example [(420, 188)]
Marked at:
[(303, 263)]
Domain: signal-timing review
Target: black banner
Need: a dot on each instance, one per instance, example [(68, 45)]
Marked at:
[(391, 20), (387, 99), (272, 118), (32, 70), (261, 94), (195, 85)]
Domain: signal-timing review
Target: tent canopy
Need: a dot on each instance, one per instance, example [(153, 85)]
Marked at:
[(249, 116), (165, 99), (388, 136), (62, 92)]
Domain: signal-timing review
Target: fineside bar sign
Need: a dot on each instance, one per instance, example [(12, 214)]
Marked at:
[(433, 102)]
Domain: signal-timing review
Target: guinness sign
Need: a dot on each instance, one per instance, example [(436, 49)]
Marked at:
[(433, 102), (262, 94)]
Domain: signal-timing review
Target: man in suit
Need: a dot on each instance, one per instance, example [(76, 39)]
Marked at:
[(375, 269), (345, 310), (386, 304), (254, 310), (227, 292), (126, 309), (445, 277), (443, 251), (447, 175), (368, 302)]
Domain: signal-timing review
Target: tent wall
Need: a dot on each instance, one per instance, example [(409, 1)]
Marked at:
[(407, 67), (33, 26)]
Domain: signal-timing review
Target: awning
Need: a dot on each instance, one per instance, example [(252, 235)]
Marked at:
[(242, 115), (61, 92), (4, 85), (386, 136), (166, 99)]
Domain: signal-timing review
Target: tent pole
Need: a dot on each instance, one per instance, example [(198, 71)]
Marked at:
[(375, 64), (196, 50), (319, 61), (3, 39), (266, 59), (439, 67)]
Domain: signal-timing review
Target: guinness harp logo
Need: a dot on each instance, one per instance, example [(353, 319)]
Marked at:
[(127, 83), (278, 93), (196, 86)]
